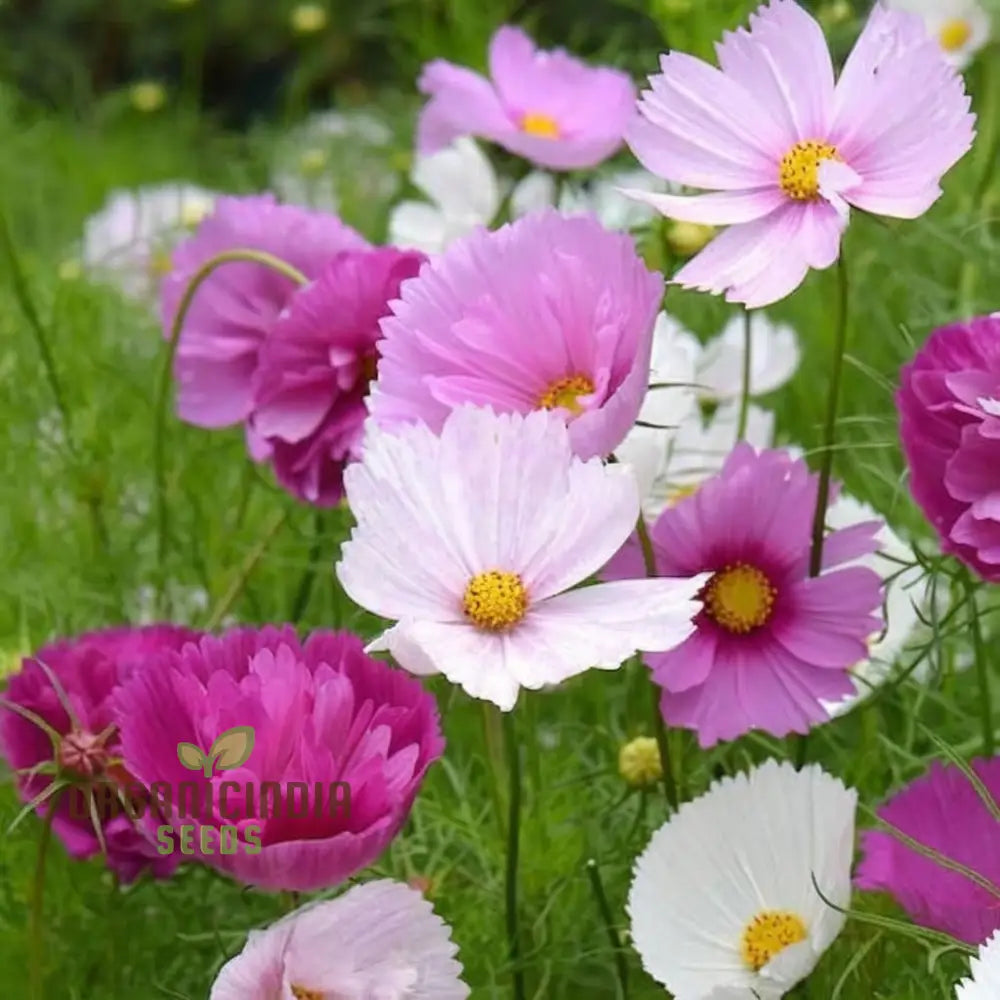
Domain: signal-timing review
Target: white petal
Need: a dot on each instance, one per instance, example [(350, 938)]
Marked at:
[(985, 969), (535, 192), (460, 181), (414, 225)]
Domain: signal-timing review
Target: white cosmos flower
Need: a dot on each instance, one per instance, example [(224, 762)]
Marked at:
[(962, 27), (129, 240), (722, 903), (985, 981), (472, 540)]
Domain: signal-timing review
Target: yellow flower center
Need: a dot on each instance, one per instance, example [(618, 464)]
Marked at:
[(303, 993), (495, 600), (799, 175), (770, 932), (639, 762), (564, 392), (540, 125), (740, 598), (954, 34)]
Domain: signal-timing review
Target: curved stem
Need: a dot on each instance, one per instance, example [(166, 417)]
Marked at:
[(741, 426), (163, 387), (830, 426), (513, 852), (601, 898), (35, 923), (982, 669)]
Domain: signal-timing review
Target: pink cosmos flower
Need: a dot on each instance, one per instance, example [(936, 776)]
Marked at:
[(949, 406), (548, 107), (322, 712), (771, 643), (71, 687), (239, 304), (786, 151), (546, 313), (315, 368), (378, 941), (942, 811)]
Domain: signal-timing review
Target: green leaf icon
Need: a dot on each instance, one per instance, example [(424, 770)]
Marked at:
[(190, 756), (232, 748)]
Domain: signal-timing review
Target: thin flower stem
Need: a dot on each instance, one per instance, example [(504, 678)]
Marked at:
[(982, 669), (36, 932), (830, 427), (659, 727), (601, 899), (513, 852), (305, 588), (741, 426), (163, 388), (493, 741)]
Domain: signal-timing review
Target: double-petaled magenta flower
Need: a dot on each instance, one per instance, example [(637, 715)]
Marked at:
[(315, 368), (341, 743), (58, 732), (787, 151), (548, 107), (547, 313)]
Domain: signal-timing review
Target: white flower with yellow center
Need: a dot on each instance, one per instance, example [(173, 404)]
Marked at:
[(961, 27), (723, 902), (472, 540), (984, 983)]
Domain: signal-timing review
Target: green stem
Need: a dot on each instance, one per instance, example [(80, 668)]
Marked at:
[(305, 588), (656, 716), (830, 426), (601, 898), (741, 427), (36, 932), (163, 388), (982, 669), (513, 852)]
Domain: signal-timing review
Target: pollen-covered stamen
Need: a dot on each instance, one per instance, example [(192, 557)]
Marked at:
[(740, 598), (770, 932), (954, 34), (565, 392), (82, 753), (799, 173), (540, 125), (304, 993), (495, 600)]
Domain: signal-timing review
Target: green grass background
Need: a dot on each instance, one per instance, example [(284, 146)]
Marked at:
[(77, 529)]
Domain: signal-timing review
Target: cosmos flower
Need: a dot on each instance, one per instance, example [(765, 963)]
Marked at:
[(961, 27), (128, 242), (741, 917), (323, 716), (786, 153), (949, 406), (71, 686), (926, 810), (237, 307), (547, 312), (984, 983), (471, 541), (771, 643), (378, 940), (548, 107), (314, 369)]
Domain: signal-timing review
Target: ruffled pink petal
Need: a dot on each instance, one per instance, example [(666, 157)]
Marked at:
[(461, 103)]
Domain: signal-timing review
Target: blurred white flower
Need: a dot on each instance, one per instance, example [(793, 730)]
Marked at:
[(961, 27), (984, 983), (128, 242)]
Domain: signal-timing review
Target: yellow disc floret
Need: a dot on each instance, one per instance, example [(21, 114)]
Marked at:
[(740, 598), (540, 125), (770, 932), (954, 34), (565, 392), (495, 600), (799, 174)]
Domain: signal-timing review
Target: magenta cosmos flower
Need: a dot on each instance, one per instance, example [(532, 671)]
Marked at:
[(238, 305), (787, 152), (949, 407), (378, 941), (548, 107), (546, 313), (771, 643), (71, 686), (352, 735), (315, 368), (942, 811)]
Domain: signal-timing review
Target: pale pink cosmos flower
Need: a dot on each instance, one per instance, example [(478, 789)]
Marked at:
[(786, 151), (546, 313), (548, 107), (470, 541), (378, 941)]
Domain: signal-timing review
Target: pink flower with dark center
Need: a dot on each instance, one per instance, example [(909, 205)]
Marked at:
[(786, 151), (547, 313), (941, 811), (70, 686), (236, 308), (315, 368), (548, 107), (949, 407), (772, 643), (340, 745)]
